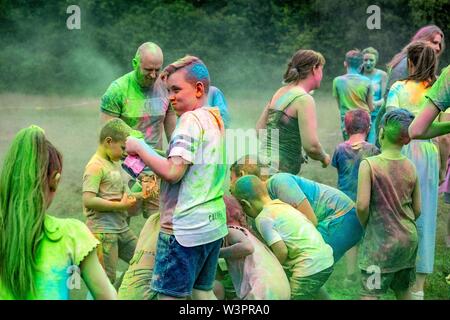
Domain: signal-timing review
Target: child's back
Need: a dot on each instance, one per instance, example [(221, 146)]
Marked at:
[(346, 159), (307, 251), (137, 279), (352, 92), (258, 276), (390, 240)]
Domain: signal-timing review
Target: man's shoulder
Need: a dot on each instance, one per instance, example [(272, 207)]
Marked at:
[(125, 79), (340, 78), (360, 78), (122, 82), (381, 73)]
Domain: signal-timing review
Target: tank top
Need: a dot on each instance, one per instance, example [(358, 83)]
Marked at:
[(289, 142)]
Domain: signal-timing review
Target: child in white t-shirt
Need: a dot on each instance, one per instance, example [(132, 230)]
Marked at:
[(294, 240)]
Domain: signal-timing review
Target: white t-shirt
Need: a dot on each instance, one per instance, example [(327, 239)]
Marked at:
[(193, 208), (308, 253)]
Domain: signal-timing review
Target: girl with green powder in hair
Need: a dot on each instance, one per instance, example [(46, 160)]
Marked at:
[(40, 255)]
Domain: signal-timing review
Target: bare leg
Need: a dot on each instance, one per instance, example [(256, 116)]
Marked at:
[(351, 259), (420, 282), (203, 295), (418, 288), (403, 295), (219, 290)]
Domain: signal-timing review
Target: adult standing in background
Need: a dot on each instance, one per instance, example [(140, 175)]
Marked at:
[(292, 111), (216, 98), (379, 79), (138, 98), (398, 66)]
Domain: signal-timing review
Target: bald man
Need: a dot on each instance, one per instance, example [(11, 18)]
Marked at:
[(138, 97)]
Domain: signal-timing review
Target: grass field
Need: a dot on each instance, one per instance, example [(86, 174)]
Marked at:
[(72, 125)]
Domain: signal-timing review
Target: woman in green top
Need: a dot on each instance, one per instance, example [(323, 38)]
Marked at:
[(292, 112), (40, 255)]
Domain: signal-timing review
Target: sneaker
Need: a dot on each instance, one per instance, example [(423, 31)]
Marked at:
[(418, 295)]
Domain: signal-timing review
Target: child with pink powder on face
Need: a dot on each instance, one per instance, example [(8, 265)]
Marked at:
[(255, 271)]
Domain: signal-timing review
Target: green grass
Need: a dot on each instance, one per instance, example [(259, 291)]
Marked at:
[(71, 123)]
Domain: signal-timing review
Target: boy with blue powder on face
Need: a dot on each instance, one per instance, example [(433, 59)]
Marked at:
[(388, 205), (193, 219)]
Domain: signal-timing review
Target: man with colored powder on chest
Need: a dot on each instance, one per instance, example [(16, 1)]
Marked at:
[(139, 99)]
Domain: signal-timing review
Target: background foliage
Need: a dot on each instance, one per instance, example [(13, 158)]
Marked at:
[(245, 43)]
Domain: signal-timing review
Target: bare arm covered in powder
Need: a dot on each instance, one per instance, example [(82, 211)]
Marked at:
[(280, 251), (364, 190), (307, 121), (239, 245), (370, 99), (423, 127), (416, 199), (91, 201), (305, 208), (95, 278), (444, 147), (171, 169), (384, 79), (170, 121), (262, 121)]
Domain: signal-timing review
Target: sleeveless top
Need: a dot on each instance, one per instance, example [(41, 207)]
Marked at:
[(288, 140), (390, 241)]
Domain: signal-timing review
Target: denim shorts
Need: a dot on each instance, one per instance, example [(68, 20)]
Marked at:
[(180, 269)]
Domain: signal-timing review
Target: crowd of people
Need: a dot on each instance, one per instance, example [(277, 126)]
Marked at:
[(276, 235)]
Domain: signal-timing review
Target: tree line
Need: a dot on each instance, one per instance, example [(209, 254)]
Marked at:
[(245, 43)]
